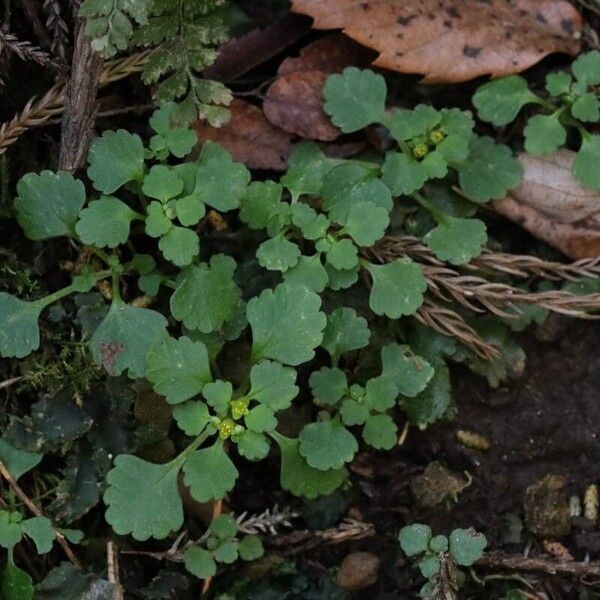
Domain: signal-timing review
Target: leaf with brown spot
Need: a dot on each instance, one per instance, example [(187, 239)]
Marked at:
[(554, 207), (249, 137), (452, 40), (295, 100)]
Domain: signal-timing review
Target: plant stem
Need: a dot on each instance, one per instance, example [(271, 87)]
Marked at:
[(5, 473)]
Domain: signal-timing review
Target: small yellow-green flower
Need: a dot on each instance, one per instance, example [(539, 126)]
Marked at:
[(239, 408), (420, 150), (226, 428)]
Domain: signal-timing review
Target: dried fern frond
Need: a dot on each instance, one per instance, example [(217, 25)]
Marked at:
[(448, 322), (39, 110), (57, 26), (516, 265), (25, 50), (480, 295)]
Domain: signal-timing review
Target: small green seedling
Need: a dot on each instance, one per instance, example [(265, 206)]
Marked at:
[(571, 103), (16, 584), (221, 544), (441, 557)]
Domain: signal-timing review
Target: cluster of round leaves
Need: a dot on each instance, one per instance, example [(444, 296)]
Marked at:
[(431, 145), (463, 547), (16, 584), (316, 220), (572, 103), (221, 545)]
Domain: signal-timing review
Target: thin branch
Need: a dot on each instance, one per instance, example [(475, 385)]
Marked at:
[(80, 101), (38, 111), (33, 508), (112, 568), (516, 562), (8, 382)]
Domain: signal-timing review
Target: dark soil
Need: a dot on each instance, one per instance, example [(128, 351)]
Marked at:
[(546, 422)]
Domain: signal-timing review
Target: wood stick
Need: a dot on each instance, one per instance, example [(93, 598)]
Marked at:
[(112, 568), (516, 562), (80, 102), (30, 504)]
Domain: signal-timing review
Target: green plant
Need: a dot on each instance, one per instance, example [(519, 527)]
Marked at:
[(441, 557), (571, 103), (265, 290), (16, 584), (220, 545), (186, 33)]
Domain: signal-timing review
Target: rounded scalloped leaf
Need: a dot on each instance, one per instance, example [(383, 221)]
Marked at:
[(115, 158), (397, 288), (142, 498), (209, 473), (414, 539), (178, 369), (48, 204), (327, 445), (467, 546), (286, 324), (457, 241), (355, 98), (19, 330)]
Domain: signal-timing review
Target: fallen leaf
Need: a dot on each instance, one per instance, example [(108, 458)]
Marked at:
[(452, 40), (294, 101), (249, 137), (242, 54), (330, 54), (554, 207)]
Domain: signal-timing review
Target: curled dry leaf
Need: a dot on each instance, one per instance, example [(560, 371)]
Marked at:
[(242, 54), (295, 100), (553, 206), (249, 137), (452, 40)]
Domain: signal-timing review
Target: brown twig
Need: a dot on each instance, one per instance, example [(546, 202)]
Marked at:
[(516, 562), (297, 542), (8, 382), (112, 569), (33, 508), (38, 111), (79, 102)]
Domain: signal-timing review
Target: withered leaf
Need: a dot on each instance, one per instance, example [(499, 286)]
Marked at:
[(249, 137), (295, 100), (554, 207), (452, 40)]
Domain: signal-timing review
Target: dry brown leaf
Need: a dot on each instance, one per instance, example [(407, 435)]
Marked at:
[(452, 40), (242, 54), (295, 103), (553, 206), (295, 100), (249, 137)]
